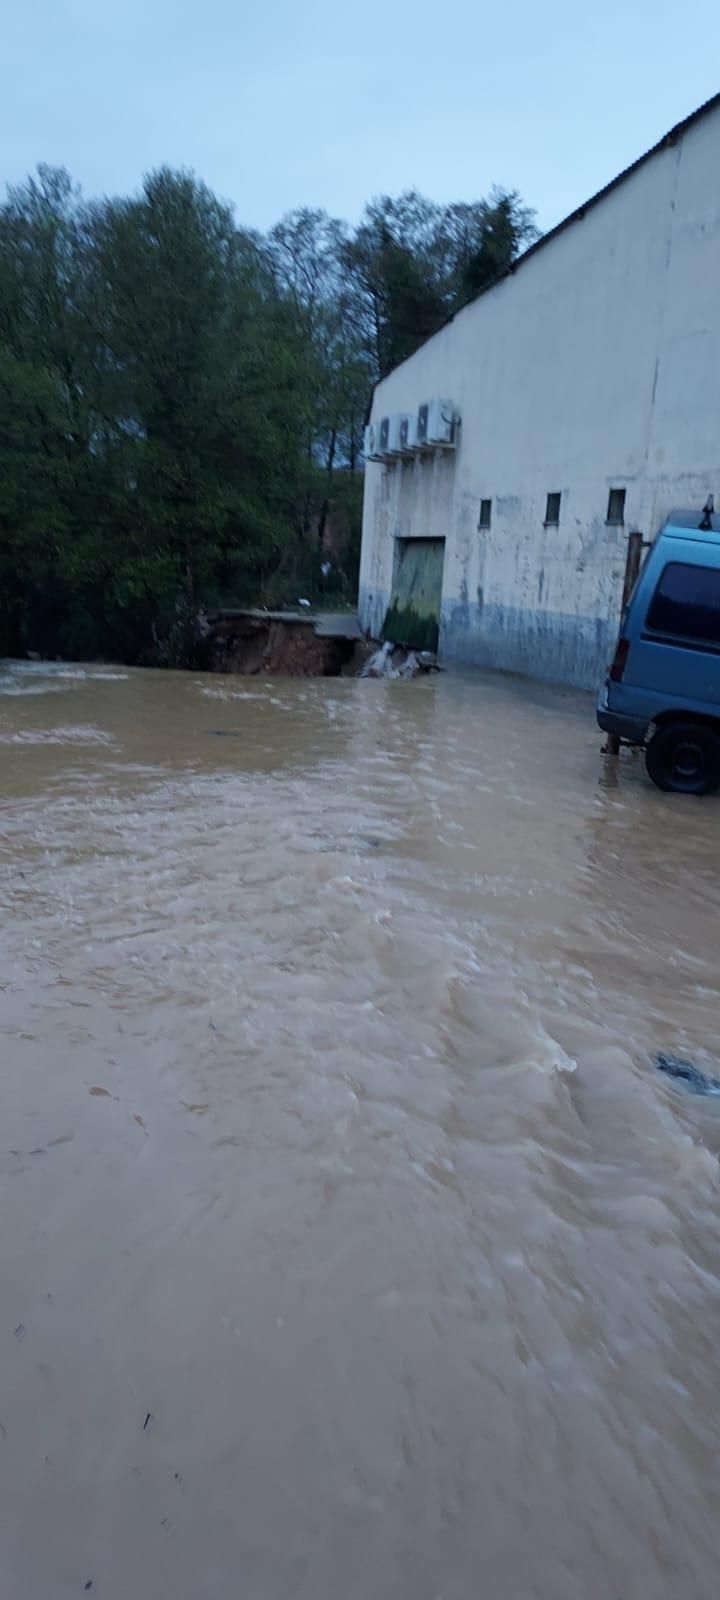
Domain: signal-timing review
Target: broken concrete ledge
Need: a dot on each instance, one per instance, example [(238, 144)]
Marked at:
[(290, 643)]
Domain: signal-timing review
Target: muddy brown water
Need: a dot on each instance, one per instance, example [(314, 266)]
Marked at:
[(352, 1249)]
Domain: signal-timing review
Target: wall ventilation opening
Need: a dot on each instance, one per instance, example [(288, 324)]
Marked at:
[(616, 507), (552, 510)]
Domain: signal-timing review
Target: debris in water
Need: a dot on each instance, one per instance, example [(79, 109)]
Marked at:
[(696, 1081), (20, 1331), (379, 665), (394, 661), (147, 1421)]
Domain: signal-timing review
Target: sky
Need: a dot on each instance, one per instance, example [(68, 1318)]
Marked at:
[(286, 103)]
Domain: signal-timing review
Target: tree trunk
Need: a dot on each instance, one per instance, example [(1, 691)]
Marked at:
[(325, 507)]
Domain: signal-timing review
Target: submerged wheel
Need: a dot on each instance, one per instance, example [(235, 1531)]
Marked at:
[(684, 758)]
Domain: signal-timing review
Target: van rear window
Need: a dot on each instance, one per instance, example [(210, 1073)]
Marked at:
[(686, 603)]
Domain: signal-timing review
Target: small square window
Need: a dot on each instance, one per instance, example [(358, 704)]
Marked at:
[(485, 513), (552, 509), (616, 507)]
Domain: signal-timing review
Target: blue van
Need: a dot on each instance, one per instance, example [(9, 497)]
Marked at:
[(663, 685)]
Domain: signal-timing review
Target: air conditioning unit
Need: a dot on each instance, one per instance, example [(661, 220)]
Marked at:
[(390, 437), (436, 425), (408, 433), (394, 440), (372, 442)]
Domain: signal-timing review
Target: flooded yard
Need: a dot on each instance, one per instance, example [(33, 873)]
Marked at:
[(352, 1247)]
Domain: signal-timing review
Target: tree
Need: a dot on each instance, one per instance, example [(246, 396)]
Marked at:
[(209, 366), (308, 252), (484, 239), (182, 401), (150, 363), (47, 411), (413, 264)]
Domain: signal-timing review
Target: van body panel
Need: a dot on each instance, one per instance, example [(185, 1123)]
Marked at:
[(671, 626)]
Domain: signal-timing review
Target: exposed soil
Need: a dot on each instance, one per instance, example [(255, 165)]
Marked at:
[(282, 644)]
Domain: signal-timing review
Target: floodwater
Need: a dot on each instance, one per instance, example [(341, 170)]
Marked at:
[(352, 1246)]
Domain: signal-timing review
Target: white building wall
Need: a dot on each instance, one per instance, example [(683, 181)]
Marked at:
[(596, 364)]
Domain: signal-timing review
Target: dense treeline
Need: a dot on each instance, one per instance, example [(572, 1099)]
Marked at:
[(182, 401)]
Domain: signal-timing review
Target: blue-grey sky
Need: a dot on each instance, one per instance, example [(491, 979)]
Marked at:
[(282, 103)]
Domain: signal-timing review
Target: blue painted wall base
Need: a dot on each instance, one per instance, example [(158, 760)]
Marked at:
[(550, 645)]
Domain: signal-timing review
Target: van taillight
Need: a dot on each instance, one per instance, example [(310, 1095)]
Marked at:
[(619, 660)]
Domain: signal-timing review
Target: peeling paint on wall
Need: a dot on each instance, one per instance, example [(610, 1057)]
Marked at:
[(540, 644)]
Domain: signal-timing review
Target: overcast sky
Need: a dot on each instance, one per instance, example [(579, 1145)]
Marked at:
[(282, 103)]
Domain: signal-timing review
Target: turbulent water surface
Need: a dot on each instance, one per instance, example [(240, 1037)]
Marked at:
[(352, 1246)]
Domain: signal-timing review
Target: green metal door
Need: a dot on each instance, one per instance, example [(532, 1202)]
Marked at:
[(414, 615)]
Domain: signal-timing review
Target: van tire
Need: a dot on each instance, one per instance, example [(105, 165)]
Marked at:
[(683, 757)]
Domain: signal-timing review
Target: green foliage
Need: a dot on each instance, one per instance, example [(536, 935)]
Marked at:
[(411, 264), (182, 402)]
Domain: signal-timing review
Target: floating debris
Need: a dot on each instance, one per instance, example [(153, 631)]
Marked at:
[(395, 661), (380, 664), (686, 1072)]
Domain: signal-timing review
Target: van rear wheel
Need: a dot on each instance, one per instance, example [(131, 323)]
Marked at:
[(684, 758)]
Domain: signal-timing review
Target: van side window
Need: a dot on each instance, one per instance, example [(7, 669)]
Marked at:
[(686, 603)]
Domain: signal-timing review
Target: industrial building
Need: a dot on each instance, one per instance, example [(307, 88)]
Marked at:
[(574, 401)]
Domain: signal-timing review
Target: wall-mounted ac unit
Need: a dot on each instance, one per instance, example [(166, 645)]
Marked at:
[(436, 425), (394, 440), (372, 442), (408, 433), (390, 437)]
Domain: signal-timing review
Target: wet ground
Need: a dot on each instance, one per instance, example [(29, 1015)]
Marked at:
[(352, 1246)]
